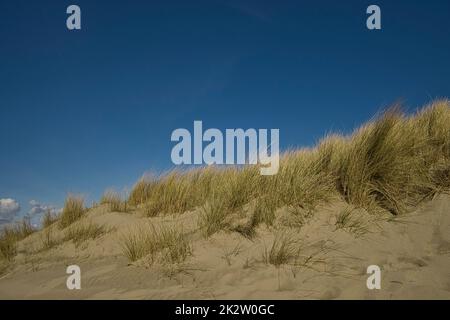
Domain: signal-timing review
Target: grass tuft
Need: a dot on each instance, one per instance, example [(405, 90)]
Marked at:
[(47, 238), (115, 202), (73, 211), (48, 219), (348, 220), (284, 249), (149, 241), (212, 217), (81, 232), (8, 247), (10, 235)]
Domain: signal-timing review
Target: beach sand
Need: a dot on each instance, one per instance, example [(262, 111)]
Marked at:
[(412, 251)]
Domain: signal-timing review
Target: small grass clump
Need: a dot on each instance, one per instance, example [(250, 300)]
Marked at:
[(212, 217), (73, 211), (4, 266), (231, 253), (149, 241), (80, 232), (284, 249), (10, 235), (294, 217), (47, 238), (26, 229), (351, 222), (141, 191), (136, 244), (170, 194), (264, 211), (8, 246), (48, 219), (115, 201)]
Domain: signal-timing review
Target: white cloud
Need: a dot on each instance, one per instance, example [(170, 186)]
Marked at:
[(37, 211), (37, 208), (8, 208)]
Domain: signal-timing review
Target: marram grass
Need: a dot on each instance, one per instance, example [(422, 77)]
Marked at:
[(389, 164)]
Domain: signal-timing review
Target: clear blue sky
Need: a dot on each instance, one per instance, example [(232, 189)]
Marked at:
[(82, 111)]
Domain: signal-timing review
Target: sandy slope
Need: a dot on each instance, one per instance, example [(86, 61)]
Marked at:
[(413, 252)]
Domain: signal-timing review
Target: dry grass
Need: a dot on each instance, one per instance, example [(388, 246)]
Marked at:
[(231, 253), (212, 217), (285, 249), (8, 247), (24, 229), (73, 210), (47, 238), (264, 211), (149, 241), (348, 220), (48, 219), (10, 235), (83, 231), (389, 164), (170, 194), (4, 266), (294, 217), (115, 202), (136, 244)]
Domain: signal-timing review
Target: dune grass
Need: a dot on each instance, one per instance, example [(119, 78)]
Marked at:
[(10, 235), (8, 247), (24, 229), (48, 219), (212, 217), (149, 241), (264, 211), (348, 220), (73, 210), (83, 231), (47, 238), (230, 253), (285, 249), (389, 164), (115, 202)]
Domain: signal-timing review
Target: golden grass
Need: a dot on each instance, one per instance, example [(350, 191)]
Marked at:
[(73, 210), (80, 232), (24, 229), (348, 220), (8, 247), (389, 164), (10, 235), (170, 194), (48, 219), (47, 238), (285, 249), (115, 202), (212, 217), (4, 266), (148, 241)]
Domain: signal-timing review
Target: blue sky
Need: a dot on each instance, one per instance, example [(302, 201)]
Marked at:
[(83, 111)]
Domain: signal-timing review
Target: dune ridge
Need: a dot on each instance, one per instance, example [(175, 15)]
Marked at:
[(377, 196)]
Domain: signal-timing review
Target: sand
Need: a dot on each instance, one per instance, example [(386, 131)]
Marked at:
[(412, 251)]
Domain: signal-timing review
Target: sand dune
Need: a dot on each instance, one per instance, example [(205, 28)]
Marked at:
[(413, 252), (379, 196)]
